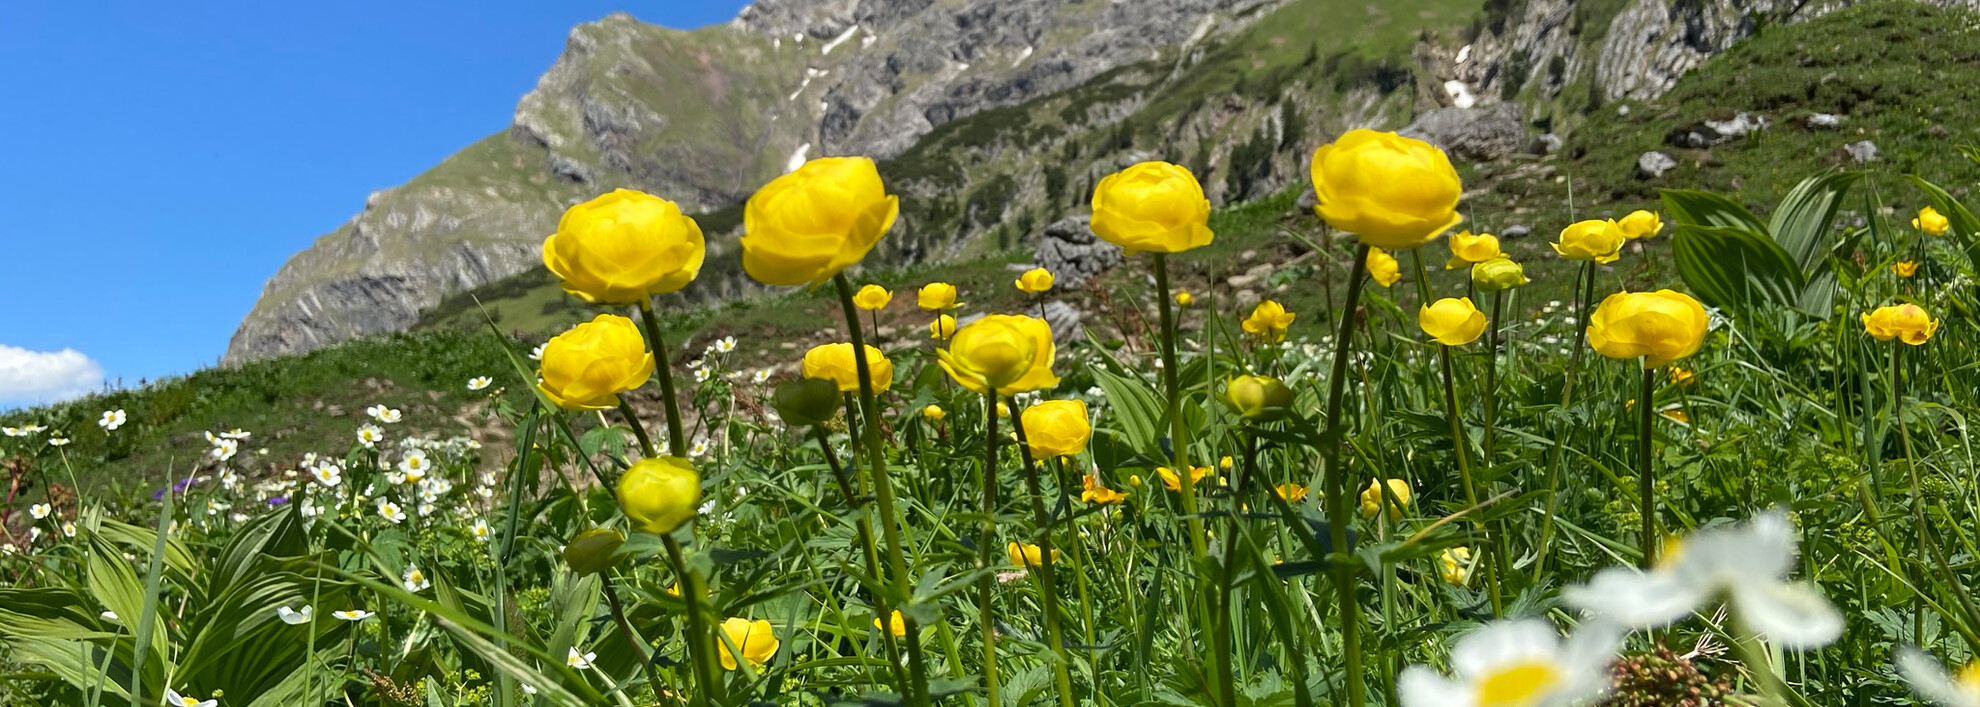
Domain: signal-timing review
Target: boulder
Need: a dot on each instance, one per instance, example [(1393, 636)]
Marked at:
[(1861, 151), (1069, 249), (1823, 121), (1707, 133), (1654, 164), (1515, 231), (1546, 145), (1476, 134)]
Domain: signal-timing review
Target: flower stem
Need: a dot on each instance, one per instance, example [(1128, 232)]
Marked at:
[(864, 528), (1047, 575), (700, 638), (986, 539), (1178, 432), (1080, 582), (639, 430), (638, 643), (676, 442), (1295, 656), (1646, 477), (1336, 480), (876, 456), (1460, 447)]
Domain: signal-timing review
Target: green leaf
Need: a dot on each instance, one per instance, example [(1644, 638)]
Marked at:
[(1736, 269), (1135, 405), (1803, 222), (1965, 227), (1697, 208)]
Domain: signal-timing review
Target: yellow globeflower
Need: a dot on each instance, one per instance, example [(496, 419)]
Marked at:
[(834, 362), (1268, 320), (1660, 327), (1152, 206), (1597, 240), (755, 640), (1292, 493), (1184, 298), (1904, 268), (804, 227), (1452, 321), (1259, 398), (1454, 565), (894, 624), (1499, 273), (1931, 222), (1057, 428), (1680, 376), (1467, 249), (1095, 493), (624, 246), (1002, 410), (1383, 268), (587, 367), (1173, 482), (1390, 191), (1372, 499), (1640, 224), (942, 327), (1906, 322), (658, 494), (936, 296), (1002, 353), (1035, 281), (934, 413), (872, 298), (1027, 555)]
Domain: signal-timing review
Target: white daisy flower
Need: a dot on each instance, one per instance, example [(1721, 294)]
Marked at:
[(480, 382), (536, 354), (225, 449), (327, 474), (1522, 662), (696, 364), (68, 529), (40, 510), (229, 480), (391, 512), (370, 435), (389, 416), (112, 419), (415, 465), (236, 433), (762, 375), (214, 507), (375, 411), (352, 614), (436, 486), (295, 618), (309, 509), (8, 549), (1744, 566), (701, 375), (34, 534), (581, 661), (700, 447), (174, 699), (484, 492), (415, 580), (725, 344), (1931, 681), (58, 441), (13, 431), (426, 509), (480, 530)]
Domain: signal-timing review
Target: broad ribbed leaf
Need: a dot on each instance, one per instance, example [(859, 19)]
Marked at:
[(1965, 227), (1804, 226), (1697, 208), (1736, 269)]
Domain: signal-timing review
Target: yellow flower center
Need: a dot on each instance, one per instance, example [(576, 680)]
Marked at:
[(1968, 678), (1671, 551), (1521, 685)]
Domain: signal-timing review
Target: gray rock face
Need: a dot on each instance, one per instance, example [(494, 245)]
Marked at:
[(1069, 249), (1476, 134), (1654, 164)]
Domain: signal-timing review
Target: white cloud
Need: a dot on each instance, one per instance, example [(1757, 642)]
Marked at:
[(46, 376)]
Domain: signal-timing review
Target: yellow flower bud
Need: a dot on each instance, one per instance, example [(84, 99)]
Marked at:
[(934, 413), (1906, 322), (1640, 224), (804, 227), (1268, 321), (1001, 409), (1372, 499), (1390, 191), (942, 328), (1931, 222), (1226, 463), (1027, 555), (1454, 565), (806, 401), (1382, 267), (1680, 376), (755, 640), (1134, 480), (1498, 274), (1184, 298), (1152, 206), (587, 367), (1904, 268), (594, 550), (872, 298), (1292, 493), (1467, 249), (1035, 281), (1004, 353), (1057, 428), (936, 296), (1660, 327), (1258, 398), (658, 494), (1173, 481), (894, 624), (1598, 240), (1095, 493), (834, 362), (624, 246), (1452, 321)]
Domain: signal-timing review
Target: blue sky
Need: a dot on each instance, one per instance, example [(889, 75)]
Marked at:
[(163, 159)]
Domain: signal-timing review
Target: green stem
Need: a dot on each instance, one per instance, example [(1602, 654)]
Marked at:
[(1047, 574), (986, 540), (864, 528), (1337, 493), (1646, 476), (1460, 447), (1754, 655), (676, 441), (1080, 582), (700, 637), (876, 456), (639, 430), (1295, 656), (1172, 387), (632, 636)]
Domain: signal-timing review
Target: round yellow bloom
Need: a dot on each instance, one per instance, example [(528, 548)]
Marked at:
[(587, 367), (1226, 463), (942, 327), (1931, 222), (1152, 206), (1292, 493), (593, 551), (1268, 320), (1383, 268), (1452, 321), (1500, 273), (1002, 410), (1372, 499), (1173, 482), (936, 296), (1028, 555), (658, 494), (1095, 493), (872, 298), (1260, 398), (934, 413), (1906, 322), (756, 640), (1035, 281), (1680, 376), (1640, 224), (1454, 565), (1660, 327), (1184, 298), (894, 624), (1390, 191), (834, 362), (1057, 428), (1467, 249), (1004, 353), (1904, 268), (624, 246), (804, 227), (1597, 240)]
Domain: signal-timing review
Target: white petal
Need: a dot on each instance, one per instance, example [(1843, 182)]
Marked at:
[(1419, 686), (1634, 598), (1794, 615), (1586, 655), (1763, 548), (1501, 643), (1931, 681)]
